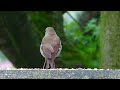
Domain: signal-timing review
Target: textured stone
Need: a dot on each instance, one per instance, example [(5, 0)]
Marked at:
[(59, 74)]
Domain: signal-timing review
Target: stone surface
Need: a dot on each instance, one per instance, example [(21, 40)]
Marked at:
[(59, 74)]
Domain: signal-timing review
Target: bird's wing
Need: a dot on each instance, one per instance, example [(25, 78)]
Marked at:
[(41, 51), (50, 48), (57, 49), (46, 51)]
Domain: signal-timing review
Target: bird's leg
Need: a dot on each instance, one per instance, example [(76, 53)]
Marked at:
[(44, 63), (52, 64), (47, 64)]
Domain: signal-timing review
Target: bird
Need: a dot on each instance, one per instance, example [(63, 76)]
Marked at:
[(50, 47)]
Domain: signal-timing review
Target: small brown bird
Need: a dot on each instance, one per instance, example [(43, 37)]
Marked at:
[(50, 47)]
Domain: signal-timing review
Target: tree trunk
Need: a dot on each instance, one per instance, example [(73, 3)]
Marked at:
[(58, 25), (22, 43), (110, 39)]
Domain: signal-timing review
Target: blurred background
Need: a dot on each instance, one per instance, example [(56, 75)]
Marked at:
[(22, 31)]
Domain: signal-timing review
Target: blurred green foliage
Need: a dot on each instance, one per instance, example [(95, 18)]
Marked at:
[(83, 46)]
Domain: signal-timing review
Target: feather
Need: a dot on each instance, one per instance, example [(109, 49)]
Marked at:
[(50, 47)]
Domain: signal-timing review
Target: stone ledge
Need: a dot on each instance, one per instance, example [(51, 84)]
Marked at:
[(59, 74)]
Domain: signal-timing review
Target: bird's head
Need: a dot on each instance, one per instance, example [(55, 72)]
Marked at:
[(50, 31)]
